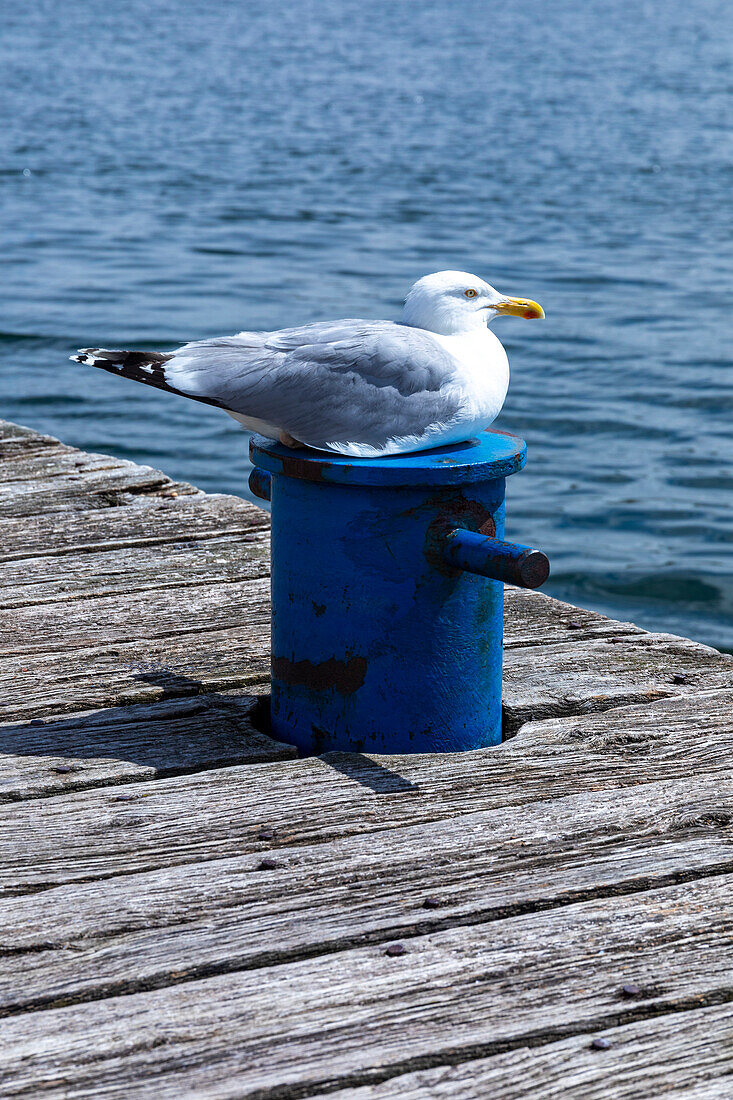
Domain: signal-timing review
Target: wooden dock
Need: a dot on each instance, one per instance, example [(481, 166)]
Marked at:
[(190, 911)]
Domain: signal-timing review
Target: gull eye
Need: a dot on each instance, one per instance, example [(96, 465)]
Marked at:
[(470, 293)]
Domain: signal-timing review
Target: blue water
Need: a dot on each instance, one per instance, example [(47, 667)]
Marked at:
[(171, 170)]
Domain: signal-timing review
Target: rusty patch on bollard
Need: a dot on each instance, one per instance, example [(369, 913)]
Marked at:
[(455, 510), (309, 469), (346, 677)]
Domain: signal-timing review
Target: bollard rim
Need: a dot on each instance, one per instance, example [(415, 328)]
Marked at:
[(490, 455)]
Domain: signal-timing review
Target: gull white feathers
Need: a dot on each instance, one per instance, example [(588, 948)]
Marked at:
[(353, 387)]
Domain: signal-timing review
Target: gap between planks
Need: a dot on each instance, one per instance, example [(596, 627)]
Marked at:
[(695, 1053), (587, 737), (122, 745), (231, 915), (185, 519), (456, 995), (78, 835)]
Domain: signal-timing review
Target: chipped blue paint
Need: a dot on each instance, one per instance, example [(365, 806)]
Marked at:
[(387, 594)]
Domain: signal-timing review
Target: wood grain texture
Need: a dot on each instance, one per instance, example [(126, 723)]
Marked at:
[(531, 619), (91, 621), (597, 674), (121, 572), (170, 627), (117, 745), (14, 450), (91, 651), (101, 488), (527, 883), (95, 939), (11, 433), (145, 670), (126, 602), (47, 463), (136, 521), (86, 835), (714, 1090), (680, 1056), (360, 1015), (580, 666)]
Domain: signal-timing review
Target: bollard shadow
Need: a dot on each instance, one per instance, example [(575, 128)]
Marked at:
[(361, 769), (187, 728), (368, 773)]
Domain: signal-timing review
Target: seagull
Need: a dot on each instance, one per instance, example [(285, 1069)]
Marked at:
[(360, 388)]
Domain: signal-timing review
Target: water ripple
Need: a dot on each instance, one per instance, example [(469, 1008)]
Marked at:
[(196, 192)]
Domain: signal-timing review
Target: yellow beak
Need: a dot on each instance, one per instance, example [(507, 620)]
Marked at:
[(519, 307)]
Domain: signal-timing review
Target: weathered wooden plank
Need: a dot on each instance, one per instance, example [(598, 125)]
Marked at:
[(46, 463), (84, 652), (87, 835), (596, 674), (17, 449), (18, 432), (116, 745), (715, 1090), (143, 671), (76, 942), (137, 521), (47, 628), (571, 677), (679, 1056), (97, 489), (124, 617), (532, 618), (189, 918), (635, 732), (122, 572), (363, 1014)]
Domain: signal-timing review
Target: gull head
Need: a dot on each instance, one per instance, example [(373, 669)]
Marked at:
[(451, 302)]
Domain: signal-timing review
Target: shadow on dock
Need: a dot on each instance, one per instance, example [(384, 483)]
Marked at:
[(188, 728)]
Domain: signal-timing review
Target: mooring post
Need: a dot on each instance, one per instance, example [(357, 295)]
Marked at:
[(387, 594)]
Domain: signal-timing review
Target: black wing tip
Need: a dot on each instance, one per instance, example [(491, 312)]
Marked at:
[(147, 367), (140, 366), (85, 355), (124, 361)]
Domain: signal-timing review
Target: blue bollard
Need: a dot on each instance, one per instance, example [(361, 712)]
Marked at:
[(387, 594)]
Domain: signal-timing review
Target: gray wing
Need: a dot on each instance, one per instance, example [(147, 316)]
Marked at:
[(347, 381)]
